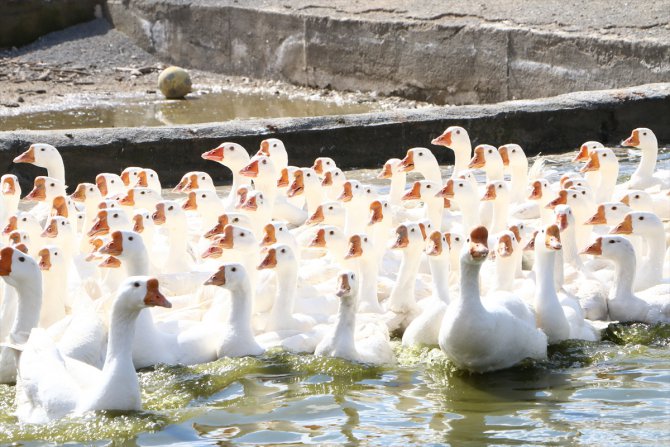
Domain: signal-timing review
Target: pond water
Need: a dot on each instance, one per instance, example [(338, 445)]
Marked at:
[(154, 110), (615, 392)]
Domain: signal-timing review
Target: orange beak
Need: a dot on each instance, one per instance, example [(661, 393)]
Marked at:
[(625, 227), (142, 180), (154, 297), (128, 199), (318, 166), (317, 217), (15, 237), (298, 185), (270, 236), (536, 193), (327, 179), (598, 218), (595, 249), (502, 150), (181, 185), (59, 207), (633, 140), (387, 171), (218, 228), (251, 204), (250, 170), (110, 262), (215, 154), (592, 165), (514, 229), (12, 225), (343, 286), (101, 183), (113, 247), (138, 226), (355, 249), (190, 203), (270, 260), (100, 225), (402, 237), (51, 231), (8, 186), (283, 179), (490, 193), (562, 221), (6, 261), (478, 243), (192, 183), (443, 140), (407, 163), (159, 215), (376, 214), (414, 193), (79, 194), (447, 191), (319, 240), (26, 157), (347, 193), (39, 192), (218, 278), (125, 178), (227, 240), (478, 161), (213, 251), (505, 248), (434, 247), (265, 148), (45, 259), (562, 199), (582, 155), (553, 238)]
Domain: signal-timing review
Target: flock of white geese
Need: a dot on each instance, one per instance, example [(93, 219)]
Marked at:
[(306, 260)]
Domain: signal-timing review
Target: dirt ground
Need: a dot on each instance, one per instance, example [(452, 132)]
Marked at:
[(94, 58)]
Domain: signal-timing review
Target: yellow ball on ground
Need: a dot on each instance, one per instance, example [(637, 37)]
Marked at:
[(174, 82)]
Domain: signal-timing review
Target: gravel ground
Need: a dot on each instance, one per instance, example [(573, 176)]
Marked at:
[(93, 58)]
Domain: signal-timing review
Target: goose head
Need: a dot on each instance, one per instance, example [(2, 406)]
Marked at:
[(639, 223), (275, 232), (333, 179), (275, 149), (88, 194), (612, 247), (460, 190), (45, 189), (202, 201), (328, 213), (642, 138), (453, 137), (359, 246), (22, 220), (148, 178), (195, 180), (59, 206), (279, 257), (142, 221), (475, 249), (40, 154), (608, 213), (17, 267), (170, 214), (601, 159), (329, 237), (261, 168), (539, 190), (391, 169), (496, 191), (237, 238), (347, 287), (305, 180), (409, 235), (585, 149), (224, 219), (59, 228), (231, 276), (638, 200), (138, 292), (140, 197), (109, 184), (9, 184), (109, 220), (424, 190), (130, 175), (505, 244), (437, 245), (50, 259), (323, 164), (255, 203), (564, 217), (418, 159), (485, 157), (512, 155), (547, 238), (18, 237), (231, 155), (123, 245), (379, 212)]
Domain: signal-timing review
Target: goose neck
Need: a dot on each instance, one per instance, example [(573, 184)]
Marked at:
[(462, 155), (439, 269), (28, 309), (241, 307), (403, 290), (346, 324), (470, 298), (647, 161), (398, 182), (624, 277), (287, 281), (137, 264), (121, 335), (505, 268), (545, 262)]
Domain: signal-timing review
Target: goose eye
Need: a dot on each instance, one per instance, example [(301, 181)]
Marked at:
[(458, 239), (237, 219), (43, 148), (611, 241), (513, 151), (604, 155), (365, 239), (458, 132), (428, 186), (499, 186), (332, 233), (283, 250), (386, 205), (490, 151), (641, 218), (644, 133), (25, 219), (62, 223), (420, 154), (137, 284), (336, 174), (574, 196), (204, 196), (274, 145), (234, 269), (111, 181), (142, 193), (90, 189), (115, 215), (356, 186), (614, 208), (412, 230), (265, 162), (231, 148), (241, 234), (170, 208), (53, 184), (308, 175), (281, 228), (467, 240), (330, 208), (55, 253), (460, 185), (353, 276), (637, 196)]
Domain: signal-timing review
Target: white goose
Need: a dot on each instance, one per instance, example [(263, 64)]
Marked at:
[(54, 268), (332, 182), (51, 386), (422, 160), (457, 139), (644, 176), (195, 180), (11, 195), (648, 306), (482, 335), (234, 157), (44, 156)]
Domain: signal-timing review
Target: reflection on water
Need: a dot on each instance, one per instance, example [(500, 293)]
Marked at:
[(590, 393), (153, 110)]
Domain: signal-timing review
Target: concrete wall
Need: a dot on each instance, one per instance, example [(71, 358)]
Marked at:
[(23, 21), (550, 125), (441, 62)]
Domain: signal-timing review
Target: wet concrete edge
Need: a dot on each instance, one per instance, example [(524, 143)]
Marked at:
[(354, 141)]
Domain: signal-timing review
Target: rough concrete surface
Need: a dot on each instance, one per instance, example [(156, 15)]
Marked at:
[(548, 125), (439, 51)]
